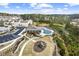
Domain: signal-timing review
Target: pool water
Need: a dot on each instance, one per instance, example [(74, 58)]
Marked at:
[(46, 31)]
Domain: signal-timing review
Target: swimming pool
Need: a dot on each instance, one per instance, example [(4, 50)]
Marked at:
[(46, 31)]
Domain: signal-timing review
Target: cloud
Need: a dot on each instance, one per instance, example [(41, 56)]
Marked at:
[(43, 8), (62, 9), (33, 4), (44, 5), (4, 4), (39, 8), (58, 8), (13, 11), (37, 11), (66, 5), (48, 11), (17, 6), (41, 5), (65, 8), (73, 4)]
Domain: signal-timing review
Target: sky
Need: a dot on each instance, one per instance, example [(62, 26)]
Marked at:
[(39, 8)]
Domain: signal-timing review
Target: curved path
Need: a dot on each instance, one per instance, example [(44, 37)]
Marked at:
[(17, 32), (11, 43), (30, 39)]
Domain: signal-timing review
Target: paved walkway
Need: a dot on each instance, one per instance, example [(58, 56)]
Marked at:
[(30, 39), (11, 43)]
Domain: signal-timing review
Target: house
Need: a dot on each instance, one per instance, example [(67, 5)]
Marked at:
[(19, 23), (22, 23)]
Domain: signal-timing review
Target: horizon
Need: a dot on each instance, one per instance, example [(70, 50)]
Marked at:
[(39, 8), (38, 14)]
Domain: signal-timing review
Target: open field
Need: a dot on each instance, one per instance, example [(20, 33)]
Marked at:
[(28, 50)]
